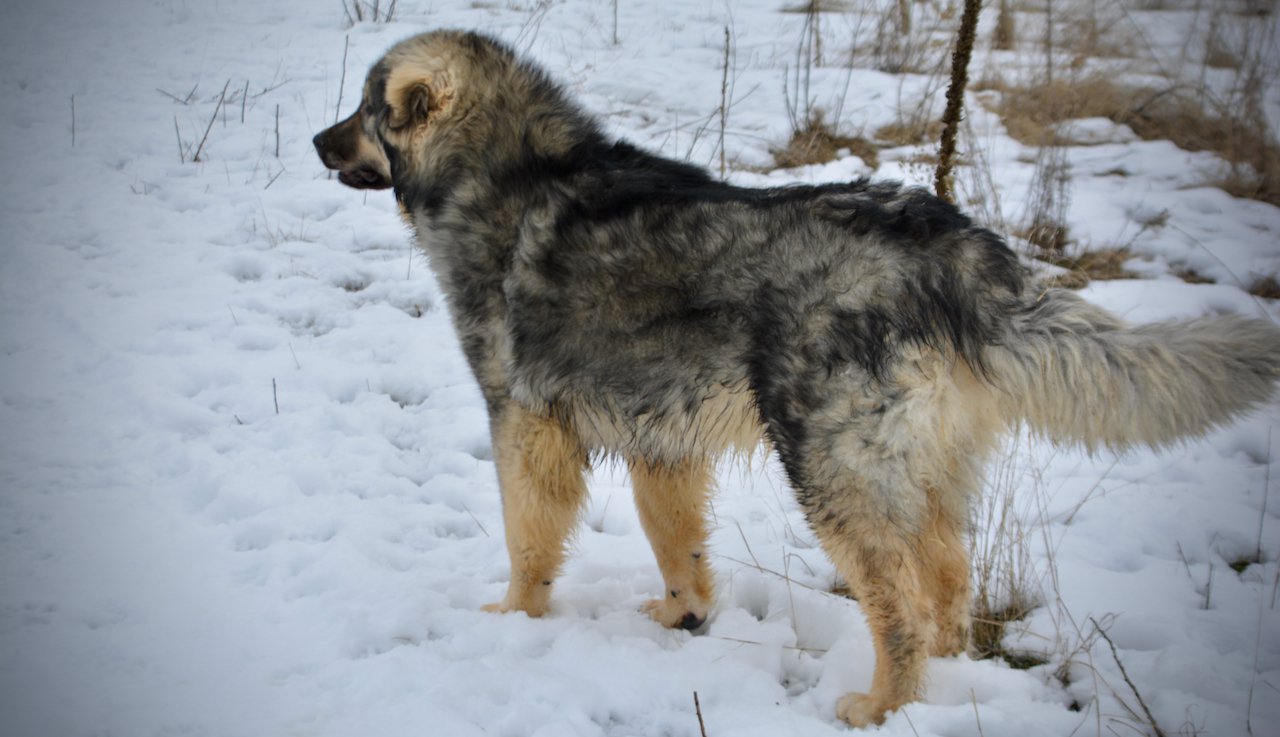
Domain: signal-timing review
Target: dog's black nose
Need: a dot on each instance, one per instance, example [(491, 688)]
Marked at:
[(691, 621), (318, 142)]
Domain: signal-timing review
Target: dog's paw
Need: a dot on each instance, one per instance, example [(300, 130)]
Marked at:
[(504, 606), (950, 644), (675, 613), (861, 710)]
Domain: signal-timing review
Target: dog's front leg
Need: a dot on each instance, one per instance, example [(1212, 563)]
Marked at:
[(672, 501), (541, 466)]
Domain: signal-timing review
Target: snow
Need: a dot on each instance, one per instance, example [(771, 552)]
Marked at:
[(245, 478)]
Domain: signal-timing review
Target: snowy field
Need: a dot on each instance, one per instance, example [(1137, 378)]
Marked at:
[(245, 479)]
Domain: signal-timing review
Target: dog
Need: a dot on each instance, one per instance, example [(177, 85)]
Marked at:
[(612, 302)]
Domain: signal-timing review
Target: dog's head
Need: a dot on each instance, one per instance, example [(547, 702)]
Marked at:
[(406, 95), (445, 105)]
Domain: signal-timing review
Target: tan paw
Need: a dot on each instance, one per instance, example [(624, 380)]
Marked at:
[(860, 709), (504, 606), (950, 642), (676, 613)]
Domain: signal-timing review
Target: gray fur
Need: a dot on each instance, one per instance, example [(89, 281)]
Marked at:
[(1076, 373)]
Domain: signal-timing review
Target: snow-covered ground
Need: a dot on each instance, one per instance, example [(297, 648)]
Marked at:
[(245, 481)]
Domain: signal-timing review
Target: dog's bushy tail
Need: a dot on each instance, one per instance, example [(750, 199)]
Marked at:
[(1075, 373)]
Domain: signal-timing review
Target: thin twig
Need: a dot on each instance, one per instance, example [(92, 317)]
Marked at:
[(272, 88), (244, 98), (342, 81), (275, 397), (909, 722), (697, 708), (724, 94), (1124, 674), (172, 96), (973, 699), (181, 156), (475, 519), (221, 99), (180, 100), (1257, 642), (1266, 489), (792, 648), (274, 178), (277, 130)]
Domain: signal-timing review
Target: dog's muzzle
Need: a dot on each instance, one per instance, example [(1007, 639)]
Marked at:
[(354, 175)]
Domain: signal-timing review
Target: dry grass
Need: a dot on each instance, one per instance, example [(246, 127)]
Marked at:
[(1049, 236), (1003, 35), (1266, 287), (816, 142), (375, 11), (987, 636), (1244, 140), (909, 132), (1031, 115), (1094, 31), (1191, 276), (1219, 54), (817, 6), (1096, 265), (999, 549)]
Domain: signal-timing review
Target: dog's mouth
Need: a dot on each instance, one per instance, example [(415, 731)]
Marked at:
[(364, 178)]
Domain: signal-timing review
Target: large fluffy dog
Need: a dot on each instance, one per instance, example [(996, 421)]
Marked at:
[(614, 302)]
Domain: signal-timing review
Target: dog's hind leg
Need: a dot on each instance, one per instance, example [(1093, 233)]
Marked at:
[(541, 467), (882, 468), (882, 560), (672, 501)]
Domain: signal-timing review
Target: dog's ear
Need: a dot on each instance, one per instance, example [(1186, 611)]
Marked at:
[(417, 95)]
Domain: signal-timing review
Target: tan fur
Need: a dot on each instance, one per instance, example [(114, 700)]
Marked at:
[(419, 91), (726, 421), (672, 501), (540, 470)]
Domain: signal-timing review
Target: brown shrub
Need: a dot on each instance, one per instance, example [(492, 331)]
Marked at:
[(1266, 287), (1097, 265), (817, 143)]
